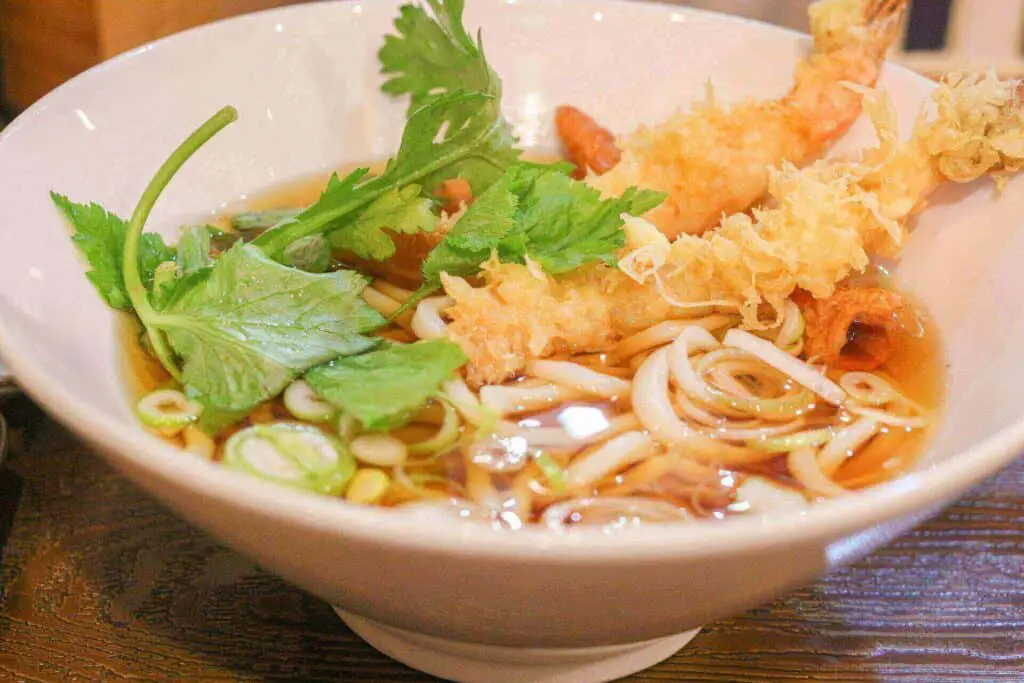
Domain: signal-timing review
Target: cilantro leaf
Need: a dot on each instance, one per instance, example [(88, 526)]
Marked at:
[(564, 224), (538, 212), (402, 210), (253, 325), (432, 56), (459, 134), (455, 129), (99, 236), (383, 389), (490, 219)]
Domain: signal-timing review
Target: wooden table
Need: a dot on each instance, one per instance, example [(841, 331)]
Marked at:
[(98, 582)]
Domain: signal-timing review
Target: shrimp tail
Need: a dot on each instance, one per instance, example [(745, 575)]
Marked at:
[(869, 27), (713, 161), (854, 329), (851, 39), (587, 144)]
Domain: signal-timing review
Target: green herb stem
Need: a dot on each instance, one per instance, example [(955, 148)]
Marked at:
[(274, 241), (132, 276)]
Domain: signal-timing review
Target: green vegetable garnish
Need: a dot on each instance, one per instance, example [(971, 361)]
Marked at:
[(433, 56), (99, 235), (400, 210), (194, 249), (291, 454), (460, 134), (384, 388), (553, 472), (255, 325), (261, 220), (311, 254), (455, 129), (235, 332), (167, 410), (164, 278), (237, 329), (538, 212)]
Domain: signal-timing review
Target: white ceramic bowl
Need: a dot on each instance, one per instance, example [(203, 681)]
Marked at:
[(444, 596)]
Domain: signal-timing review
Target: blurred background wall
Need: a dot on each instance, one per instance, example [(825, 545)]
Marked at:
[(45, 42)]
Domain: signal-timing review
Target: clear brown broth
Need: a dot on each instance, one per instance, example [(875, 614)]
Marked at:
[(917, 368)]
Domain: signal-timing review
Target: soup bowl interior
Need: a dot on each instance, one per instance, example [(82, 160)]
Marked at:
[(305, 81)]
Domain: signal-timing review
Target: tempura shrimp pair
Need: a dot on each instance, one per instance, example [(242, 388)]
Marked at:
[(824, 223)]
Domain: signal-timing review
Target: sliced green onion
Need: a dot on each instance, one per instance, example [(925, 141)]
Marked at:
[(868, 388), (295, 455), (553, 472), (801, 372), (446, 437), (379, 450), (691, 381), (791, 442), (167, 410), (846, 441), (791, 333), (418, 484), (305, 404), (887, 418)]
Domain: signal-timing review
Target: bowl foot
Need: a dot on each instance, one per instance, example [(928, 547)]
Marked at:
[(472, 663)]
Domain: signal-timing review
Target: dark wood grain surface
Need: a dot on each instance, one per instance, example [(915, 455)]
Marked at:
[(98, 582)]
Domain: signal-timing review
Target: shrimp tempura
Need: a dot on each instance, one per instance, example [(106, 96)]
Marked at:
[(713, 161), (826, 220)]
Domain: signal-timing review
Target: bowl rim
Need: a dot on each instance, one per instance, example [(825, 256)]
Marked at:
[(157, 460)]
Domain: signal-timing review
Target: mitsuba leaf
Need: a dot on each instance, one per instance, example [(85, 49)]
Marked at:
[(383, 389), (99, 236), (251, 326), (311, 254), (193, 249)]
